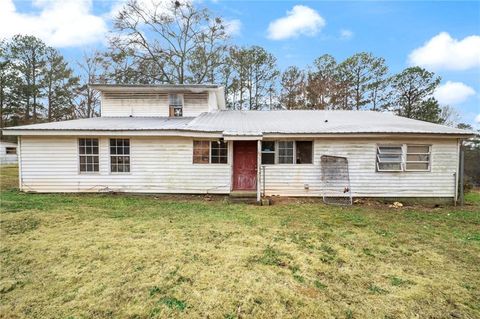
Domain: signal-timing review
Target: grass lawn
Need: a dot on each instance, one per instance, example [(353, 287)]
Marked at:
[(126, 256)]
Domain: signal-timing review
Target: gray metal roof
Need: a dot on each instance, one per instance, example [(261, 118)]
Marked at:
[(261, 122), (112, 124), (314, 122)]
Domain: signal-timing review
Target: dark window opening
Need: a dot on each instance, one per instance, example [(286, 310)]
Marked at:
[(268, 152), (304, 152)]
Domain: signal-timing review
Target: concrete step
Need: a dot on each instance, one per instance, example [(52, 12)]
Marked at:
[(243, 194)]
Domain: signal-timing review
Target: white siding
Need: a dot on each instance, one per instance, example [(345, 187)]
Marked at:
[(7, 158), (290, 180), (164, 165), (158, 165), (153, 105)]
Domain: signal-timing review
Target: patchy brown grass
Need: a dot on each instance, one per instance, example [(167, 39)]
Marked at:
[(123, 256)]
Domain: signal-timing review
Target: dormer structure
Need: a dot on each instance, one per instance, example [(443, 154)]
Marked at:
[(164, 100)]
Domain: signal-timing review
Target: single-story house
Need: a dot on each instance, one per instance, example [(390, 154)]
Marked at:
[(8, 153), (182, 139)]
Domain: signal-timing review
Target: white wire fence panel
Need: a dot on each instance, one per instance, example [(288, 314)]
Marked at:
[(336, 180)]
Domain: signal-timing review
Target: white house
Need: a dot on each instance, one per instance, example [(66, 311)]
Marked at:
[(8, 153), (181, 139)]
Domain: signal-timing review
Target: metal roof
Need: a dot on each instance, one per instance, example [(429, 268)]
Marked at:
[(314, 122), (111, 124), (260, 122)]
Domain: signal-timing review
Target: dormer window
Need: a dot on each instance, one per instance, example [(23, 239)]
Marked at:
[(176, 105)]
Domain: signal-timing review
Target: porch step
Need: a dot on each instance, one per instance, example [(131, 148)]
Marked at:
[(243, 194)]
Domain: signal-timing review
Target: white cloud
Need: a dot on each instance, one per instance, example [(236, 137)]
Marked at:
[(346, 34), (59, 23), (233, 27), (453, 93), (444, 52), (301, 20), (477, 119)]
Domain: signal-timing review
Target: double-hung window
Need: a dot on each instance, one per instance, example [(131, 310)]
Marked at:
[(403, 157), (88, 155), (210, 152), (287, 152), (119, 155)]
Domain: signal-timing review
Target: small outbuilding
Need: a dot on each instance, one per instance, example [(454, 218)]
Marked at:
[(8, 153)]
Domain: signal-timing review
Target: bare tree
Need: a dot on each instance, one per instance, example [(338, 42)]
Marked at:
[(88, 99), (183, 44)]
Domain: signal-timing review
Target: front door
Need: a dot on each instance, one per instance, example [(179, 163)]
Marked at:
[(245, 165)]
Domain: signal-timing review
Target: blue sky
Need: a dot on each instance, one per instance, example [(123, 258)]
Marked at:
[(442, 36)]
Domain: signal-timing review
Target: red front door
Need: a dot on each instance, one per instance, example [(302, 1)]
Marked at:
[(245, 165)]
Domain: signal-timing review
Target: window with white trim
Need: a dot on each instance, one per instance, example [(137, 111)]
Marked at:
[(88, 155), (268, 152), (119, 155), (175, 105), (389, 158), (418, 158), (403, 157), (210, 152), (287, 152)]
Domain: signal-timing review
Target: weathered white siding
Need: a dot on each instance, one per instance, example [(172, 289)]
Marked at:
[(7, 158), (152, 104), (158, 165), (290, 180), (164, 165)]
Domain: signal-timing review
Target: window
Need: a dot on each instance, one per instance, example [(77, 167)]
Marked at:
[(214, 152), (397, 158), (287, 152), (303, 152), (219, 152), (389, 158), (119, 155), (11, 150), (418, 158), (268, 152), (176, 105), (88, 150)]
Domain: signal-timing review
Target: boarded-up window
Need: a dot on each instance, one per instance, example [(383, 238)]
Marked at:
[(285, 152), (303, 152), (214, 152), (176, 104), (89, 158), (11, 150), (389, 158), (418, 158), (268, 152), (201, 152)]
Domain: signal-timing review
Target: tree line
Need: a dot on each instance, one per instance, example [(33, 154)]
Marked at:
[(183, 43)]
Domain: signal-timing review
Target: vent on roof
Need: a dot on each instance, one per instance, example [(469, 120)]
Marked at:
[(136, 96)]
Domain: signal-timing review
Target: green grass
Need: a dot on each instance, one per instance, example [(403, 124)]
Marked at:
[(126, 256)]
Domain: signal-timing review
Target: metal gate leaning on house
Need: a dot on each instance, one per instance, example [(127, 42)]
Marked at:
[(336, 180)]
